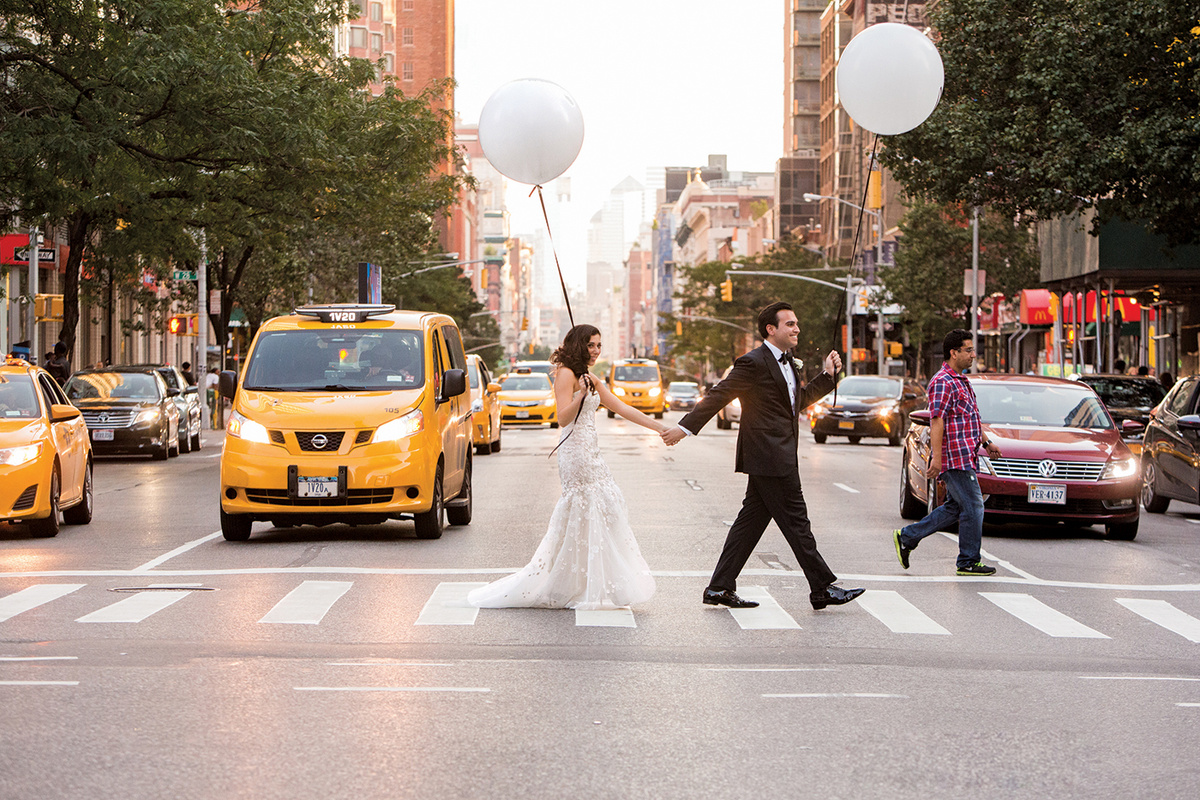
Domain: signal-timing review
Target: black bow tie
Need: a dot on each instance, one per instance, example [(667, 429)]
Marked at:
[(783, 358)]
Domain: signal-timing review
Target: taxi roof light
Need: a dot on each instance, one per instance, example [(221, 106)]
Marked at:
[(345, 312)]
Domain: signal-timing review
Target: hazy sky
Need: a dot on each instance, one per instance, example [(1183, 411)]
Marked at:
[(659, 82)]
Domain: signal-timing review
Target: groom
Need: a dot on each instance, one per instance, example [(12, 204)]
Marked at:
[(766, 381)]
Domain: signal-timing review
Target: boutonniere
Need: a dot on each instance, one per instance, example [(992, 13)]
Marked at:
[(797, 364)]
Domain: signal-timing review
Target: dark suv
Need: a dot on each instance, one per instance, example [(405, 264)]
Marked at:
[(1127, 398), (127, 410), (1171, 449)]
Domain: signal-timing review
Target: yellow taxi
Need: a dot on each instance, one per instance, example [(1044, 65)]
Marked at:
[(485, 406), (527, 398), (638, 383), (349, 413), (45, 454)]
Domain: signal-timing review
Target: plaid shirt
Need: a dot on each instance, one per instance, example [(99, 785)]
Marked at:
[(952, 398)]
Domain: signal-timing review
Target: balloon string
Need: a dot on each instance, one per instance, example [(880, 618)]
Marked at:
[(561, 282)]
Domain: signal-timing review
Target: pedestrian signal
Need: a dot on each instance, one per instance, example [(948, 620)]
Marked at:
[(183, 324), (679, 327)]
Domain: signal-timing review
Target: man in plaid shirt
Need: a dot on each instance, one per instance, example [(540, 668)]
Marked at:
[(955, 436)]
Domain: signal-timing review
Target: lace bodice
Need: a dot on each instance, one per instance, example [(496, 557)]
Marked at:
[(579, 462)]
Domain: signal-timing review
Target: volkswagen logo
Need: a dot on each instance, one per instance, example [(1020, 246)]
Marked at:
[(1048, 468), (320, 440)]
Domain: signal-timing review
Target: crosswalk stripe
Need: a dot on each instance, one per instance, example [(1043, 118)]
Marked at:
[(308, 603), (1160, 612), (135, 608), (34, 596), (448, 605), (898, 614), (1041, 616), (606, 618), (769, 614)]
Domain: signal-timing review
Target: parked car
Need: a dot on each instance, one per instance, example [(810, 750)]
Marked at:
[(867, 406), (45, 456), (682, 395), (527, 398), (128, 410), (1063, 457), (1127, 398), (188, 401), (731, 414), (1171, 449), (485, 406)]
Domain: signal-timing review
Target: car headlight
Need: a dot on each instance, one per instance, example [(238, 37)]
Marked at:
[(239, 427), (884, 410), (476, 406), (16, 456), (1120, 468), (655, 391), (818, 410), (410, 424), (985, 466), (618, 391), (149, 415)]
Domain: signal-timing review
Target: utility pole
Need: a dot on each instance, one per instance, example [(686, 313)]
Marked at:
[(31, 254), (201, 358), (975, 286)]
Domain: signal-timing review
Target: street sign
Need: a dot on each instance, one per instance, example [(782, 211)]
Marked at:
[(45, 254), (183, 275)]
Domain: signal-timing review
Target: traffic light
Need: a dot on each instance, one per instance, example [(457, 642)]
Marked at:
[(895, 349), (679, 327), (727, 290), (48, 306), (524, 323), (183, 324)]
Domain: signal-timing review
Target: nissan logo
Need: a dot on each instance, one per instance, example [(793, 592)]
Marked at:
[(1048, 468), (320, 440)]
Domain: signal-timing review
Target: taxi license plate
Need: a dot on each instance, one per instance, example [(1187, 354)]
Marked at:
[(1047, 493), (846, 424), (316, 487), (522, 415), (102, 435)]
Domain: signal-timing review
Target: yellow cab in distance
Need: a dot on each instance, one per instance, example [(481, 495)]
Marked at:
[(638, 383), (527, 398), (45, 453), (349, 413), (485, 406)]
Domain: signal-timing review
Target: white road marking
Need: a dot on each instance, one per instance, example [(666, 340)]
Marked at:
[(898, 614), (1008, 565), (1034, 612), (135, 608), (39, 683), (308, 603), (34, 596), (846, 488), (1162, 613), (837, 694), (389, 689), (149, 565), (768, 669), (386, 663), (39, 658), (448, 605), (1188, 705), (1131, 678), (768, 616), (605, 618)]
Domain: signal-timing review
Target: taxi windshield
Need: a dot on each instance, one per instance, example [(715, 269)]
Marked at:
[(112, 386), (17, 398), (526, 383), (1005, 403), (336, 360), (635, 373)]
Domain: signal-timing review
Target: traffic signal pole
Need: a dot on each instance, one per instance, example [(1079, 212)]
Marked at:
[(201, 362)]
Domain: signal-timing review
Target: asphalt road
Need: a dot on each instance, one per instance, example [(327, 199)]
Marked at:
[(143, 655)]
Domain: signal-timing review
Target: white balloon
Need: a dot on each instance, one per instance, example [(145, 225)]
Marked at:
[(531, 130), (890, 78)]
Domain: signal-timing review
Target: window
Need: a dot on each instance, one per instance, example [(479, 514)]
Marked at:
[(389, 32), (376, 12), (408, 71), (1178, 401), (358, 37), (389, 63), (406, 37), (376, 42), (406, 5)]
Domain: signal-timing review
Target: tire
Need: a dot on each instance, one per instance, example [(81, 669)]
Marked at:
[(461, 515), (611, 414), (484, 449), (819, 438), (185, 444), (162, 453), (910, 507), (429, 523), (724, 424), (659, 415), (81, 513), (894, 441), (1122, 532), (854, 439), (496, 444), (235, 527), (1152, 501), (553, 425), (196, 442), (48, 527), (173, 449)]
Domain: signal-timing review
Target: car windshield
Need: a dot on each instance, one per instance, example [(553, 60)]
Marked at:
[(866, 386), (17, 398), (336, 359), (112, 386), (526, 383), (636, 373), (1057, 406), (683, 389), (1128, 394)]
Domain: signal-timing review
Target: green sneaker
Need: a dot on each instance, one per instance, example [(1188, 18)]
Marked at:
[(901, 551), (979, 568)]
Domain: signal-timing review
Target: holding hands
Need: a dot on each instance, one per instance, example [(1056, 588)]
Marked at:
[(672, 436)]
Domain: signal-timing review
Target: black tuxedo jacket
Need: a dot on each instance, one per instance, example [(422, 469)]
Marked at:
[(769, 431)]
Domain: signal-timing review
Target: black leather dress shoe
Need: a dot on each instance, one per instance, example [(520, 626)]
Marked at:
[(727, 598), (833, 596)]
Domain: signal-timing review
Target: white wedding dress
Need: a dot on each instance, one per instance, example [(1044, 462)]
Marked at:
[(588, 559)]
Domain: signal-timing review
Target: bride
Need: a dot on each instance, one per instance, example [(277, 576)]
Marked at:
[(588, 558)]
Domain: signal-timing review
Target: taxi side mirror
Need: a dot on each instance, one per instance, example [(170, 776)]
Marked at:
[(62, 413), (919, 417), (454, 383), (227, 383), (493, 387), (192, 390)]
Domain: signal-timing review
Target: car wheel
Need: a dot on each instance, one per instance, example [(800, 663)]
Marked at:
[(910, 506), (173, 448), (1123, 531), (659, 415), (553, 424), (185, 443), (483, 449), (611, 414), (894, 441), (429, 523), (461, 514), (496, 444), (196, 442), (235, 527), (48, 527), (819, 438), (162, 453), (81, 513), (854, 439), (1152, 501), (723, 423)]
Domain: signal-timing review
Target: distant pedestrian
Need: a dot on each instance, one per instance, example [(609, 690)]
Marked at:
[(1119, 366), (58, 365), (1167, 380), (955, 434), (1143, 371), (187, 373)]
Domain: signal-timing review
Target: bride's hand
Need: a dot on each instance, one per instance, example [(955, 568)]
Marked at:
[(585, 383)]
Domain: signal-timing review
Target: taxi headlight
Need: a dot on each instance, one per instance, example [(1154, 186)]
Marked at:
[(548, 401), (1120, 468), (618, 391), (655, 391), (239, 427), (149, 415), (16, 456), (410, 424)]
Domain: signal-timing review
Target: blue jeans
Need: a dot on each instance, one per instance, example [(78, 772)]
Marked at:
[(964, 504)]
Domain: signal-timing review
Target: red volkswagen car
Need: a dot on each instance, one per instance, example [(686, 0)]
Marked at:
[(1063, 458)]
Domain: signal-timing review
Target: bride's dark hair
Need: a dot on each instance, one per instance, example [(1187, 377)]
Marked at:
[(573, 352)]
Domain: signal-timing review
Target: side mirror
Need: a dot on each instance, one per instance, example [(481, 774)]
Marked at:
[(454, 383), (919, 417), (493, 387), (1131, 426), (192, 390), (910, 395), (227, 383), (172, 392), (1189, 422), (62, 413)]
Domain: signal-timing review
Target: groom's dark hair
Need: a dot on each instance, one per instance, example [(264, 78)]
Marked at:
[(770, 316)]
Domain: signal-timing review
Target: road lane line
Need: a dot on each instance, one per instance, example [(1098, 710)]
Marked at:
[(389, 689), (39, 658), (135, 608), (39, 683), (1162, 613), (149, 565), (898, 614), (605, 618), (1188, 705), (1034, 612), (846, 488), (308, 603), (34, 596), (448, 605), (767, 669), (1132, 678), (768, 616), (836, 694)]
